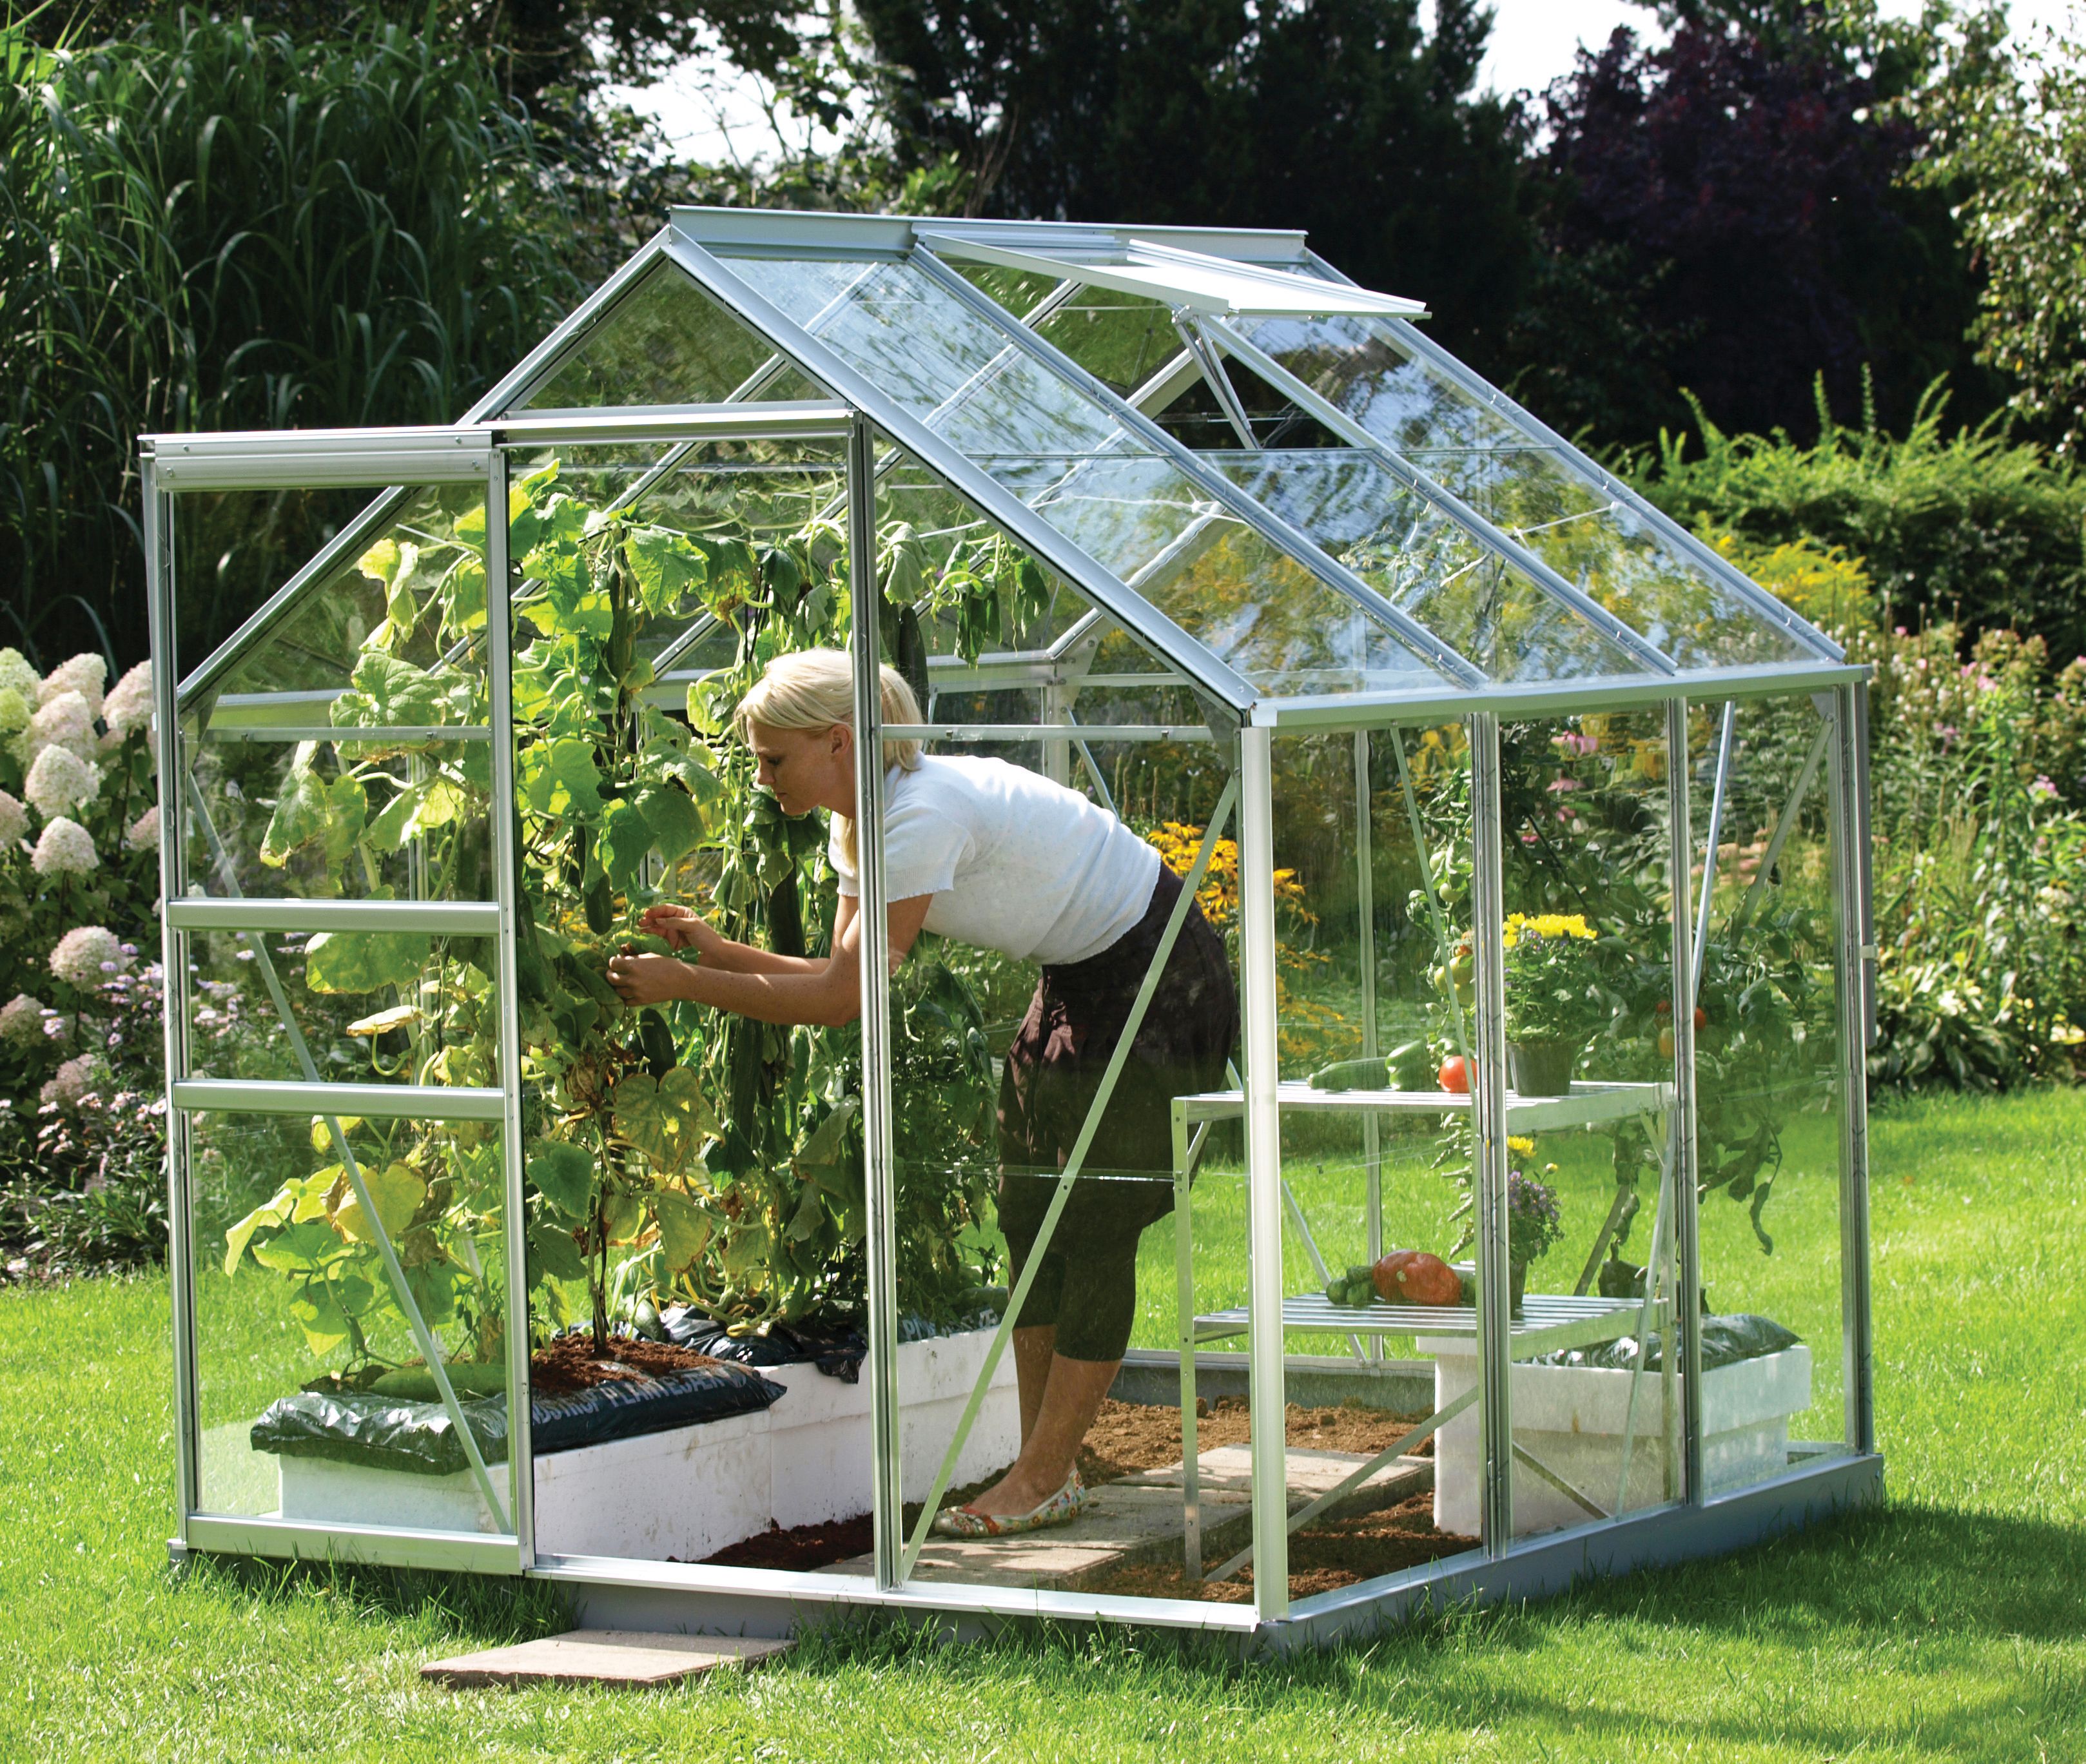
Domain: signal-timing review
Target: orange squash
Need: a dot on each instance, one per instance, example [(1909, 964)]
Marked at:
[(1414, 1277)]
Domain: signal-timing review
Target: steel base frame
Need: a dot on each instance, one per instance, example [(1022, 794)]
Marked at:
[(664, 1599)]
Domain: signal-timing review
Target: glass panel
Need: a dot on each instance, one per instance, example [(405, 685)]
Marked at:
[(1611, 553), (777, 498), (370, 1007), (1120, 339), (326, 820), (1361, 365), (666, 342), (1017, 290), (1367, 1183), (1770, 1092), (1590, 1198), (1034, 955), (1218, 579), (672, 1192), (313, 1400), (1268, 615), (1401, 544), (415, 590), (233, 548)]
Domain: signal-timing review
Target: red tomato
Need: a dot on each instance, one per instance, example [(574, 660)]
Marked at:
[(1664, 1008), (1701, 1017), (1455, 1075)]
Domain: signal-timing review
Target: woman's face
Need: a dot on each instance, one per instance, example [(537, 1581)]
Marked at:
[(805, 768)]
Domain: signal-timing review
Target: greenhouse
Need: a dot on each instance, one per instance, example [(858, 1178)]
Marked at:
[(1522, 1235)]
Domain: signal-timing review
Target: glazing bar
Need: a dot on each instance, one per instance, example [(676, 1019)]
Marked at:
[(1365, 913), (1726, 739), (886, 1497), (781, 420), (1266, 1385), (390, 1102), (1783, 827), (1686, 1327), (437, 919), (1849, 786), (511, 904), (388, 734), (1048, 731), (174, 972), (1488, 1132)]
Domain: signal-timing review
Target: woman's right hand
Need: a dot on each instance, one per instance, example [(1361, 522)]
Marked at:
[(681, 927)]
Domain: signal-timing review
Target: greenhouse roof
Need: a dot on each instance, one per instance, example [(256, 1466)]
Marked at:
[(1269, 478)]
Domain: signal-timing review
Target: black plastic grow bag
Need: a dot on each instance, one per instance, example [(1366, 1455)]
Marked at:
[(1726, 1341), (383, 1433)]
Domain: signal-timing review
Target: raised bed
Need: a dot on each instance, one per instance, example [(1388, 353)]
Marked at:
[(1571, 1418), (686, 1492)]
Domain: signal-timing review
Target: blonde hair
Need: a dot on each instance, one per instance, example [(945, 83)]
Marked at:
[(815, 689)]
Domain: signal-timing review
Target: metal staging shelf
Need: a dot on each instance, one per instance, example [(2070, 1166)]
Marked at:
[(1548, 1322), (1586, 1104)]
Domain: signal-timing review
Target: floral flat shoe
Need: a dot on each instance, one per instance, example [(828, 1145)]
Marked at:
[(1060, 1509)]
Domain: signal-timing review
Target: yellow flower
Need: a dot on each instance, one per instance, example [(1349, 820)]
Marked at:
[(1520, 1147)]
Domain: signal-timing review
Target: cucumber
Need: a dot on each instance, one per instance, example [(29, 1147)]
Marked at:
[(600, 903), (658, 1041), (1350, 1075)]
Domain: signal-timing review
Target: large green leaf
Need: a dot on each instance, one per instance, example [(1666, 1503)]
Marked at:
[(553, 1254), (303, 1249), (388, 691), (301, 813), (667, 566), (626, 837), (667, 1119), (361, 961), (395, 1191), (564, 1175), (676, 824), (317, 1310), (684, 1229)]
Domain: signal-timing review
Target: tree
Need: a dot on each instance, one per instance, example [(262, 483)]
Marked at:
[(1727, 216), (2011, 135), (1345, 118)]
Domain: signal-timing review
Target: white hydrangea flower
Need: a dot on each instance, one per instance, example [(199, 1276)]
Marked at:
[(129, 703), (22, 1019), (62, 721), (14, 820), (16, 676), (59, 780), (16, 710), (65, 848), (143, 834), (86, 956), (71, 1082), (83, 674)]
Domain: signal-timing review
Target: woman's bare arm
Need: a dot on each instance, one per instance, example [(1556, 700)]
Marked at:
[(828, 993)]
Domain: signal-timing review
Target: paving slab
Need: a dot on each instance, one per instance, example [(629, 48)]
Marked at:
[(1228, 1470), (602, 1657)]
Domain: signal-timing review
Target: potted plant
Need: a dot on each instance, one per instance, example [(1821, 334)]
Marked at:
[(1532, 1228), (1549, 999)]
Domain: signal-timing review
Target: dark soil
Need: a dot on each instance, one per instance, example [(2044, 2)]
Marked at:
[(1329, 1554), (568, 1365), (1127, 1438)]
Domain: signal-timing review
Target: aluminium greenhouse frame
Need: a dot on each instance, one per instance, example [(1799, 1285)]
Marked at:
[(1243, 718)]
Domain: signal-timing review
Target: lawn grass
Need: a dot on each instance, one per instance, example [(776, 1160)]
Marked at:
[(1950, 1624)]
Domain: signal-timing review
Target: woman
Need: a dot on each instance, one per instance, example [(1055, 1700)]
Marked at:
[(997, 856)]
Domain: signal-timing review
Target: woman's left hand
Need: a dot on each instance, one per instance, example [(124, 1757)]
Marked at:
[(648, 979)]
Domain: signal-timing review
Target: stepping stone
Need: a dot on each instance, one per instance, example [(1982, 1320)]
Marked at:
[(602, 1657)]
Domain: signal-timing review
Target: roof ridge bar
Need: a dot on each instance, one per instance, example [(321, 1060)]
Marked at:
[(1144, 621), (1575, 599), (1264, 521), (1541, 433)]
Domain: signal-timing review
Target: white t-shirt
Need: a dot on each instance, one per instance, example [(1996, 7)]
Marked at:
[(1014, 863)]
